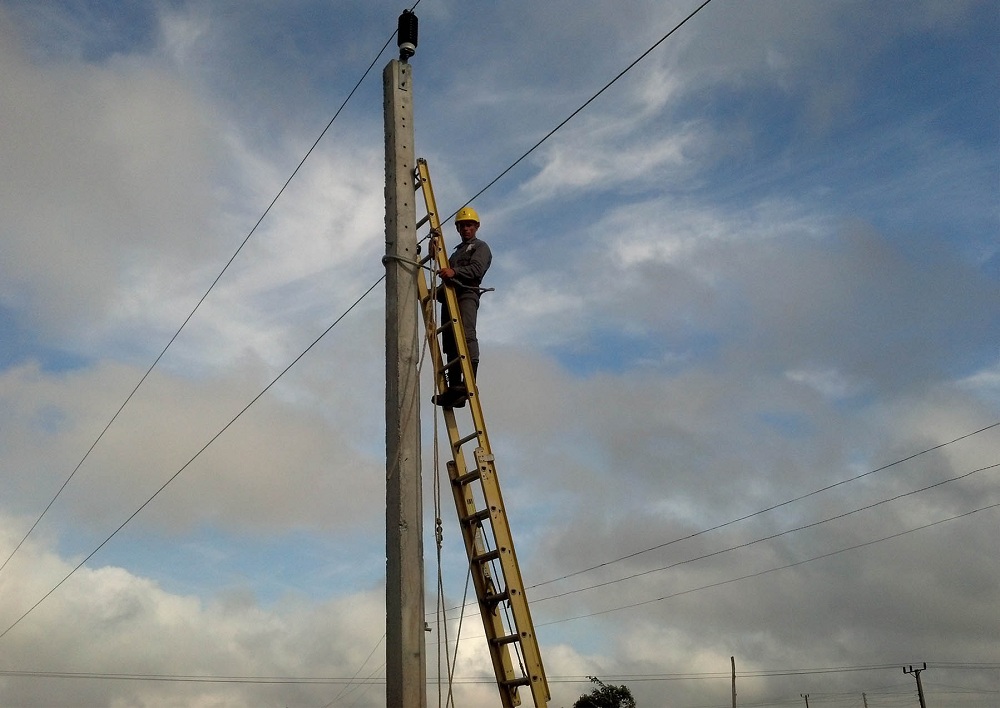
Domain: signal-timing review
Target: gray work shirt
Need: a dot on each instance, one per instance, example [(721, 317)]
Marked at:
[(470, 261)]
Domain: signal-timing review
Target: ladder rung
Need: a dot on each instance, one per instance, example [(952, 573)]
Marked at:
[(480, 515), (467, 438), (508, 639), (466, 478), (497, 598), (498, 578), (450, 323), (486, 557)]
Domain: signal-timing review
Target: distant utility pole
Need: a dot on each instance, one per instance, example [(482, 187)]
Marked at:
[(920, 686), (405, 664), (732, 660), (806, 696), (864, 698)]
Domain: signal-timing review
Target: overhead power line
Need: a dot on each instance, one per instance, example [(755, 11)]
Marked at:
[(201, 300), (353, 681), (305, 680), (267, 211), (193, 458), (173, 338), (586, 103), (502, 174), (770, 570), (770, 537), (763, 511), (182, 678), (772, 507)]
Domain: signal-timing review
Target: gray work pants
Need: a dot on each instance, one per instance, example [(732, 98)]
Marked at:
[(468, 308)]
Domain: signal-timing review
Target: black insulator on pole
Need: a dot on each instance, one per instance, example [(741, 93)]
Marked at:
[(407, 35)]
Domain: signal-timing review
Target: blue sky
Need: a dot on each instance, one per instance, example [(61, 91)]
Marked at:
[(765, 260)]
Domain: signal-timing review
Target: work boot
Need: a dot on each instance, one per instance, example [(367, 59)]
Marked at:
[(459, 388), (455, 395)]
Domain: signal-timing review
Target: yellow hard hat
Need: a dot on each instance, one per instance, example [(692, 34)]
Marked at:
[(466, 213)]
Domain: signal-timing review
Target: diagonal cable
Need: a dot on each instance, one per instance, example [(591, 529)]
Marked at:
[(773, 570), (193, 458), (776, 506), (197, 305), (773, 536), (586, 103), (770, 508)]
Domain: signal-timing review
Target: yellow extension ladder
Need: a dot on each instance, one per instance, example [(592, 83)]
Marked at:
[(476, 489)]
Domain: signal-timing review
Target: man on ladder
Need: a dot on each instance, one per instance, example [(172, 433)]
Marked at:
[(465, 271)]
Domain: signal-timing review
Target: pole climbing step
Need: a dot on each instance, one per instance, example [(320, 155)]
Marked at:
[(476, 488)]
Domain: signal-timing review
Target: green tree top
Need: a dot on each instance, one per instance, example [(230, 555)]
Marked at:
[(605, 696)]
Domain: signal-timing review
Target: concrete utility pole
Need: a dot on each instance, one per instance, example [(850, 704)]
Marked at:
[(920, 686), (732, 660), (405, 661)]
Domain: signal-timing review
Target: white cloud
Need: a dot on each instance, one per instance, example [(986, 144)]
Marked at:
[(107, 617), (104, 167), (828, 382), (596, 158), (985, 382), (722, 287), (276, 467)]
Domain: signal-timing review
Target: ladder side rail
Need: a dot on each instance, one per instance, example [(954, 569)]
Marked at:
[(510, 570), (513, 583), (503, 665), (490, 488), (464, 499), (427, 305), (439, 252), (427, 310), (437, 247), (508, 559)]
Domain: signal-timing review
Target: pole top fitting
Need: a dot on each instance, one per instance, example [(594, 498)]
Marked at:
[(406, 38)]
